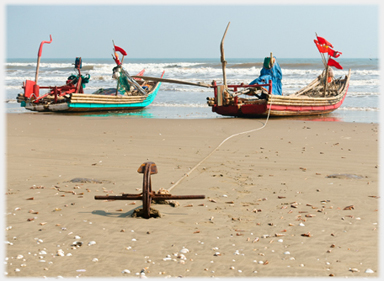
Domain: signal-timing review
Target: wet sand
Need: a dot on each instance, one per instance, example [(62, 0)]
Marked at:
[(296, 198)]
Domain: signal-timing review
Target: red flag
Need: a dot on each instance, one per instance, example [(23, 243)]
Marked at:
[(334, 53), (332, 62), (321, 48), (323, 41), (118, 49)]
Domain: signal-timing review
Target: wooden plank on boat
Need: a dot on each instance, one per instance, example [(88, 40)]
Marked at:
[(105, 102), (133, 98), (119, 97)]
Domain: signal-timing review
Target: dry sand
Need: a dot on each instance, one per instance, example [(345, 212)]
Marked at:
[(270, 209)]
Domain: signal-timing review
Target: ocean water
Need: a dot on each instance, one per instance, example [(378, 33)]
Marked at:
[(178, 101)]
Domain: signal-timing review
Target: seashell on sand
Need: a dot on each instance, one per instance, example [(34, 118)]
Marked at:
[(60, 252), (184, 251), (181, 256), (77, 244)]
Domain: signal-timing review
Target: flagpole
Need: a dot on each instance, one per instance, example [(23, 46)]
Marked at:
[(326, 78)]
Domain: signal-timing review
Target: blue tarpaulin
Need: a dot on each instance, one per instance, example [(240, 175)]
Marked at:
[(273, 74)]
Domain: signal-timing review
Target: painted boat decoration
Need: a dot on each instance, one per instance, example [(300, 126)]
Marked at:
[(129, 94), (263, 96)]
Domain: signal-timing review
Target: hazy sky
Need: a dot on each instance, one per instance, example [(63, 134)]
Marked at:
[(189, 31)]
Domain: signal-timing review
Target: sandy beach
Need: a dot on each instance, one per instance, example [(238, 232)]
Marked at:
[(296, 198)]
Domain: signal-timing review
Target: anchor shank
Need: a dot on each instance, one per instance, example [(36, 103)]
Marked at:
[(117, 197), (176, 197)]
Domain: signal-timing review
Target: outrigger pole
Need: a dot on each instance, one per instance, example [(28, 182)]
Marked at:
[(39, 56)]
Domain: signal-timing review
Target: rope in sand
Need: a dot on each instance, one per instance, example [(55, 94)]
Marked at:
[(234, 135)]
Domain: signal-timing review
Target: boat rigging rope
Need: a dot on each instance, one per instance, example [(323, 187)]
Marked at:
[(234, 135)]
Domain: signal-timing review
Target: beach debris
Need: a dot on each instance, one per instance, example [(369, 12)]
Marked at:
[(354, 269), (344, 176), (308, 234), (91, 243), (60, 253), (147, 195), (181, 256), (86, 180), (350, 207), (77, 244), (368, 270), (184, 251), (294, 205)]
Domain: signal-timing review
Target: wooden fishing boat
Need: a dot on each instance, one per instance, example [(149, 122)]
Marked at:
[(323, 95), (256, 100), (129, 94)]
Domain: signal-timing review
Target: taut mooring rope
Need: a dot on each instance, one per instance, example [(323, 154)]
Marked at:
[(234, 135)]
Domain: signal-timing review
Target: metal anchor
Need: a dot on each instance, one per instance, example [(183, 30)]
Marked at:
[(147, 169)]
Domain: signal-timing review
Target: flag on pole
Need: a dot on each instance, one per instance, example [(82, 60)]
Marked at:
[(121, 50), (333, 53), (320, 47), (323, 41), (332, 62)]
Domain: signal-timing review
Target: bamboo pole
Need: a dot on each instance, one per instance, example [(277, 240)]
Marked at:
[(223, 61), (326, 79), (157, 79)]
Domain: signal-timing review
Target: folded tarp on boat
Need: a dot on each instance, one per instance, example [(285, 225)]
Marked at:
[(267, 74)]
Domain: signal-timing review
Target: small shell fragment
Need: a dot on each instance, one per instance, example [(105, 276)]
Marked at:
[(91, 243), (60, 252), (181, 256), (184, 251)]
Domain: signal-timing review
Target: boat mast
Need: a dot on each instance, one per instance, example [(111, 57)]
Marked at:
[(39, 56), (223, 61)]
